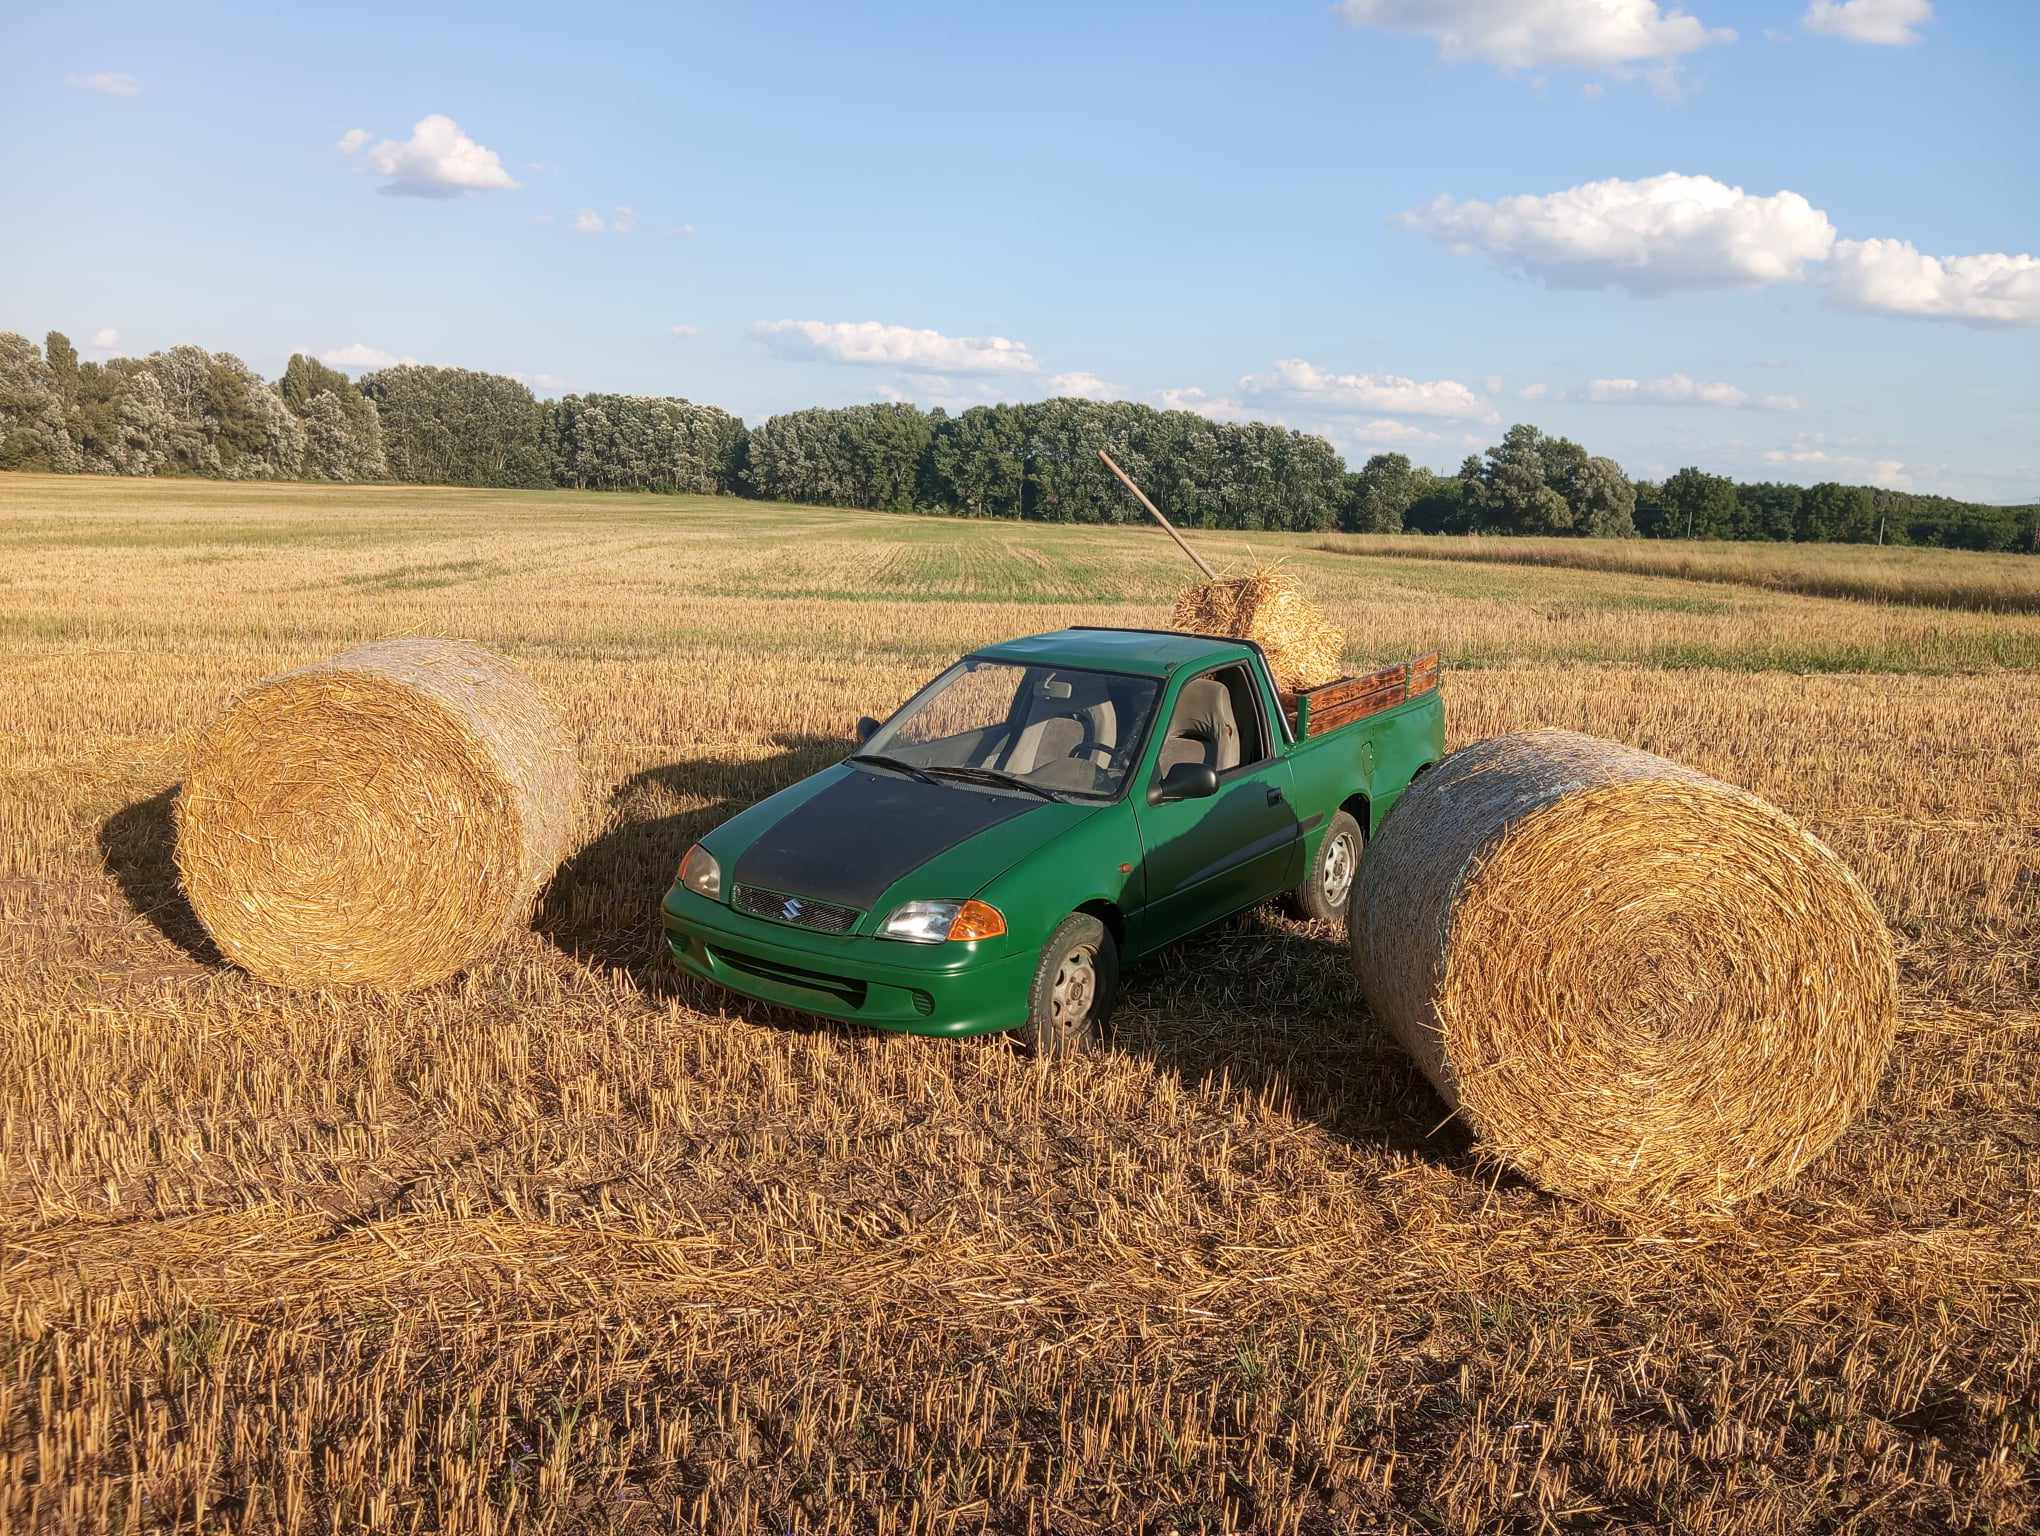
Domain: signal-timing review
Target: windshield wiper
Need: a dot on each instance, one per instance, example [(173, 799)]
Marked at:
[(996, 776), (880, 760)]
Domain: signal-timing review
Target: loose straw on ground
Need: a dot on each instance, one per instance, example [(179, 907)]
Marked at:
[(381, 818), (1635, 983)]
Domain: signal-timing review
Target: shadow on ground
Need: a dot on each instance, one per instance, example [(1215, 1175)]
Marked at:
[(138, 845), (603, 905), (1264, 1003)]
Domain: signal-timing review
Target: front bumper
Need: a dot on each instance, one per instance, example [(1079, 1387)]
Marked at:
[(920, 989)]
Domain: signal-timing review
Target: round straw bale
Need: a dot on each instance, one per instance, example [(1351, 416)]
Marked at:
[(380, 818), (1635, 983)]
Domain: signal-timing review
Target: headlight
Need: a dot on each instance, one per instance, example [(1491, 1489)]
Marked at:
[(700, 873), (936, 922)]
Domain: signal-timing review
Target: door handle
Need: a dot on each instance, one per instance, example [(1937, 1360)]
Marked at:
[(1274, 795)]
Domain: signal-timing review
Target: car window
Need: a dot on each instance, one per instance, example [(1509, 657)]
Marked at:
[(1246, 709), (1064, 729), (1217, 721)]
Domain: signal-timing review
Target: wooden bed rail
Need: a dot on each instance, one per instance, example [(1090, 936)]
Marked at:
[(1326, 708)]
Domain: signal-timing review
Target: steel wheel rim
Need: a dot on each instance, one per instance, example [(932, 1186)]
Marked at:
[(1075, 992), (1339, 862)]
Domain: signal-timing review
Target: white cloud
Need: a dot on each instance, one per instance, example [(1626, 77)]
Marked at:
[(1379, 433), (1887, 22), (1682, 389), (105, 83), (1892, 277), (1534, 391), (684, 231), (869, 343), (1673, 232), (438, 160), (1493, 383), (1198, 402), (105, 339), (1293, 378), (540, 383), (1084, 386), (1593, 90), (352, 140), (1651, 236), (588, 222), (1611, 36), (1809, 451), (358, 355), (684, 331)]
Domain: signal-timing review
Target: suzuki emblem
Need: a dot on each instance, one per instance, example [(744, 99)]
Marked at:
[(790, 909)]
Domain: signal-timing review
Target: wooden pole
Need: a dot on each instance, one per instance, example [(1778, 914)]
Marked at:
[(1126, 480)]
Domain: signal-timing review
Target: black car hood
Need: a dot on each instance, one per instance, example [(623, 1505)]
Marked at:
[(849, 842)]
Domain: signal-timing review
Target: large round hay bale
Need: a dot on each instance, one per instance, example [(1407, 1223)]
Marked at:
[(1634, 983), (381, 818)]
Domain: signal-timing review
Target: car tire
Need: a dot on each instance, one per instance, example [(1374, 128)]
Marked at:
[(1328, 893), (1074, 988)]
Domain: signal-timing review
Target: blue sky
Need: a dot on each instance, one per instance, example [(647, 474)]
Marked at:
[(1804, 251)]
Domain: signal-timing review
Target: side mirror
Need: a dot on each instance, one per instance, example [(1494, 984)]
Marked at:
[(1185, 781), (866, 729)]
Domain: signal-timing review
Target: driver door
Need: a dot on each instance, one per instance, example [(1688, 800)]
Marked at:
[(1206, 859)]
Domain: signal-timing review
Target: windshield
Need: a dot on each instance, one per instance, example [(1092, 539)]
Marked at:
[(1068, 731)]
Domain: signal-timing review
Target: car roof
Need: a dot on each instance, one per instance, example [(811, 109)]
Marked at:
[(1143, 652)]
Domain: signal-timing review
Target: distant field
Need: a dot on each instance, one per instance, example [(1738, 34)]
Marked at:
[(572, 1244), (1940, 578)]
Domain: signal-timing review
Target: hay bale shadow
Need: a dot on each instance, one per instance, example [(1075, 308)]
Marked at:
[(138, 846)]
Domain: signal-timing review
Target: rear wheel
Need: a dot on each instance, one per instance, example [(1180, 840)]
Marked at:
[(1328, 892), (1074, 987)]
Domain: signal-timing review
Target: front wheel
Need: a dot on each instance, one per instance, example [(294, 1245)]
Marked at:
[(1074, 986), (1328, 892)]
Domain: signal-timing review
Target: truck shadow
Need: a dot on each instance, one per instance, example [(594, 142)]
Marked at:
[(1267, 1004), (1263, 1004)]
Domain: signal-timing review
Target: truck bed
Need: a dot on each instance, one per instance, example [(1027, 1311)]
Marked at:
[(1316, 711)]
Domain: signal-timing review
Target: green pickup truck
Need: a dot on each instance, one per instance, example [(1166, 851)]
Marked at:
[(1041, 814)]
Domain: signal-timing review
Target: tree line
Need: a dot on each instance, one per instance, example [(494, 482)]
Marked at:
[(190, 412)]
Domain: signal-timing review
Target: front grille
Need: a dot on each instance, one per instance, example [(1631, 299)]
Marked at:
[(798, 911), (845, 989)]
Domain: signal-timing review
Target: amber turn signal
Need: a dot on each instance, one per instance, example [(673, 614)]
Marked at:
[(976, 920)]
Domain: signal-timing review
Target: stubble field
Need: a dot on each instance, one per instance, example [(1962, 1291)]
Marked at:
[(571, 1244)]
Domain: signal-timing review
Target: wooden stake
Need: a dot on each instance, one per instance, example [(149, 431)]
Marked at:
[(1126, 480)]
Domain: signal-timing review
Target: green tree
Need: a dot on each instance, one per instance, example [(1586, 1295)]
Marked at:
[(63, 360), (1696, 505), (33, 433), (978, 462), (1830, 513), (1602, 499), (1510, 487), (1766, 510), (1379, 497), (455, 426)]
